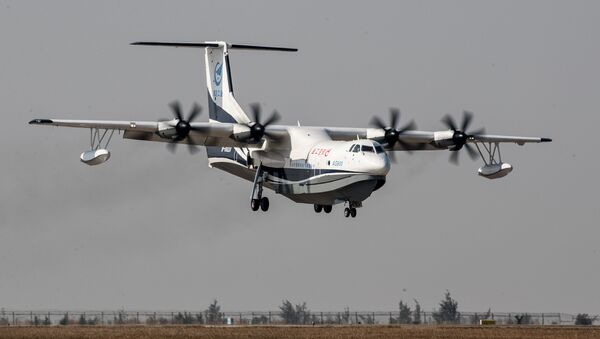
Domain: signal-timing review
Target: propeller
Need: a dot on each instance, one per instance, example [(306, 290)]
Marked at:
[(460, 136), (257, 128), (183, 127), (392, 134)]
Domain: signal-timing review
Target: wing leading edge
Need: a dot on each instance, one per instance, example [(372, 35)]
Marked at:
[(223, 134), (202, 133)]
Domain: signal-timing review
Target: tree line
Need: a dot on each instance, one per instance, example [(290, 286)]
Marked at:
[(447, 312)]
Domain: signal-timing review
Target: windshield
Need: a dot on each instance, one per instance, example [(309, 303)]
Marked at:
[(365, 148), (379, 149)]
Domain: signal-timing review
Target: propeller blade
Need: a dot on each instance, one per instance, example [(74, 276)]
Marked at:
[(467, 117), (394, 116), (274, 118), (377, 123), (198, 129), (255, 111), (406, 146), (454, 157), (171, 147), (196, 110), (449, 122), (176, 107), (193, 149), (409, 127), (392, 156), (472, 152)]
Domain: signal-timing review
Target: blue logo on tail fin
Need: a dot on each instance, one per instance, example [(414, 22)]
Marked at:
[(218, 73)]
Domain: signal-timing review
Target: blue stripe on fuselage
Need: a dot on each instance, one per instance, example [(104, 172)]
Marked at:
[(300, 174)]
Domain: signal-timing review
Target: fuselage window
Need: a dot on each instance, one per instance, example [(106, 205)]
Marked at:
[(379, 149), (367, 148)]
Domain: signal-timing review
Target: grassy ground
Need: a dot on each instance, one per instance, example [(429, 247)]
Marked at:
[(325, 332)]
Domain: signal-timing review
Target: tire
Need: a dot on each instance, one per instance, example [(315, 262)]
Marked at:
[(346, 212), (353, 212), (264, 204), (318, 208), (327, 208), (254, 204)]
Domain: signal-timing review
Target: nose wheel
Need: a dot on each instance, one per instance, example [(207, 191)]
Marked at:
[(350, 212)]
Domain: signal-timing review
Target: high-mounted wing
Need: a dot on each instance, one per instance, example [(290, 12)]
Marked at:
[(507, 139), (407, 138), (197, 133), (413, 138), (178, 130)]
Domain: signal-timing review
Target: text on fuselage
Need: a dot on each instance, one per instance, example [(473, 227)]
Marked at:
[(321, 151)]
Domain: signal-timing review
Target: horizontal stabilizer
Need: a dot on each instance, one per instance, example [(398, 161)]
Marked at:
[(213, 44)]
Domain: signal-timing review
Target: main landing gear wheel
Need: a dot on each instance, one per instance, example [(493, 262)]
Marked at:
[(324, 208), (264, 204)]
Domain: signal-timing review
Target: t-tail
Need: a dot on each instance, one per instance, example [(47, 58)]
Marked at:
[(222, 106)]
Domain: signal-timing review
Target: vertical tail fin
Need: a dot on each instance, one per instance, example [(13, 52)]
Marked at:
[(222, 106)]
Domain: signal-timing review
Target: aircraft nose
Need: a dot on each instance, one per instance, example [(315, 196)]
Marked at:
[(380, 165)]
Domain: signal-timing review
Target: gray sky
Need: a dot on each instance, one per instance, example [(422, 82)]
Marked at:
[(151, 230)]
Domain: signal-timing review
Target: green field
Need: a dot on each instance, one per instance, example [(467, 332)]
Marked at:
[(324, 332)]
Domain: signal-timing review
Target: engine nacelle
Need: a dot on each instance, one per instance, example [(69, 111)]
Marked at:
[(166, 130), (443, 139), (241, 133), (95, 157), (495, 171)]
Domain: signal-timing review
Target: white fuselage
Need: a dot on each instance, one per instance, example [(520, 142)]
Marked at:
[(320, 171)]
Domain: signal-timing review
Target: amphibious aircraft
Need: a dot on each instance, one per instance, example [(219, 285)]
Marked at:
[(318, 165)]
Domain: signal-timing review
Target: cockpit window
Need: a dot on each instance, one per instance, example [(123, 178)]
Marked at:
[(356, 149), (379, 149), (365, 148)]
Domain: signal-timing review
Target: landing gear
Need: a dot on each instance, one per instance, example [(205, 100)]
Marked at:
[(324, 208), (264, 204), (350, 211), (256, 199)]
